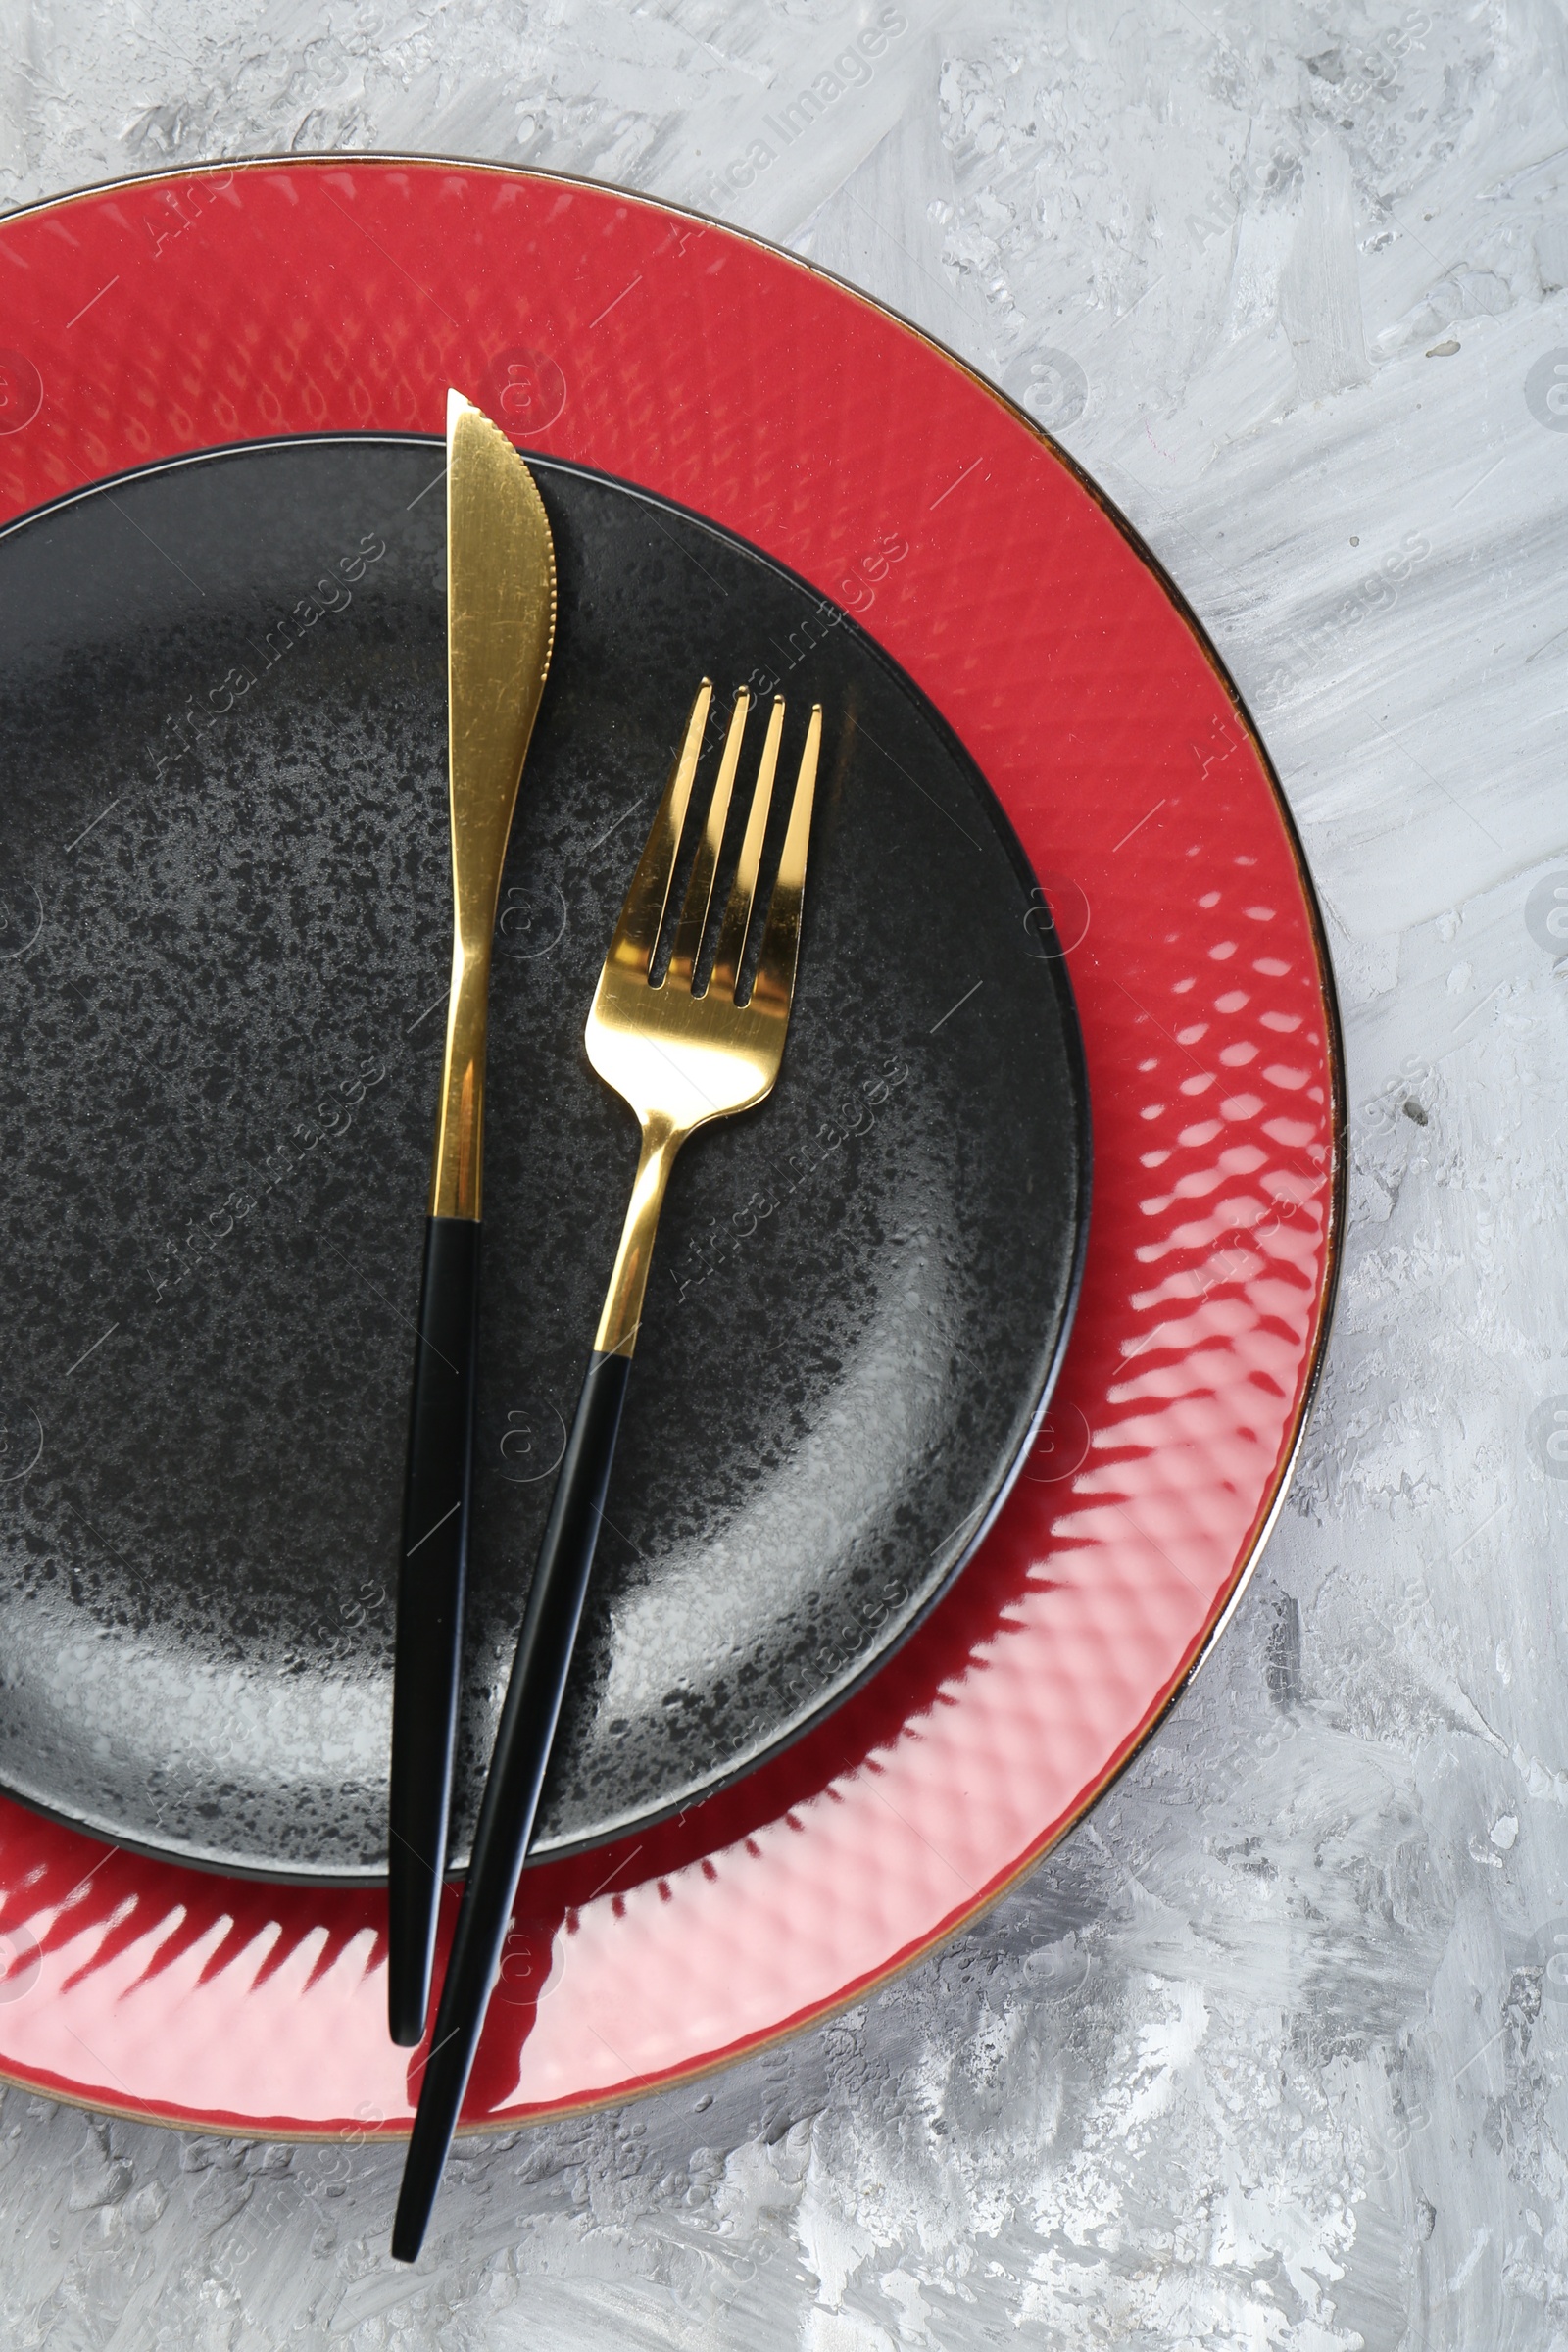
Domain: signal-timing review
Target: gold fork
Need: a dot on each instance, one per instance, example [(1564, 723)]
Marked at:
[(680, 1059)]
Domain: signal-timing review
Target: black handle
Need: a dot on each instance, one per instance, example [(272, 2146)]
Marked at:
[(429, 1636), (512, 1792)]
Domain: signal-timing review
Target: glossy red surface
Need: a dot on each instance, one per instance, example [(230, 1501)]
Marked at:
[(167, 315)]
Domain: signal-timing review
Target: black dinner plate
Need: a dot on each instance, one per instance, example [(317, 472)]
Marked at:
[(224, 932)]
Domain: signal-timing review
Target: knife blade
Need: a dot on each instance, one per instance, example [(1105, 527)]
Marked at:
[(501, 623)]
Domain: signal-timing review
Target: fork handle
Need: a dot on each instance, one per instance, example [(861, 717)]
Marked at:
[(528, 1728), (431, 1573)]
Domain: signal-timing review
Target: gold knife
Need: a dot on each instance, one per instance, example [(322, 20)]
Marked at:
[(501, 626)]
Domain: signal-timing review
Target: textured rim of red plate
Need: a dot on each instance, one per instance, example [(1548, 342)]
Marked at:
[(1097, 1594)]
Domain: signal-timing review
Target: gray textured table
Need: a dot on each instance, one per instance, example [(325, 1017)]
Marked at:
[(1271, 2052)]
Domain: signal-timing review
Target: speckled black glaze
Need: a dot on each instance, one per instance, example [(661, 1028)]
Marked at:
[(225, 890)]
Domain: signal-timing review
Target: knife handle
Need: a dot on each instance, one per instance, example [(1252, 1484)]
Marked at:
[(430, 1631)]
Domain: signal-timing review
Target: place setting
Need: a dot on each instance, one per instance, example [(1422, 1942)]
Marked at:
[(676, 1145)]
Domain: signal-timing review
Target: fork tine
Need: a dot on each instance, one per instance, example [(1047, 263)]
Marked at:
[(699, 888), (774, 985), (637, 931), (732, 936)]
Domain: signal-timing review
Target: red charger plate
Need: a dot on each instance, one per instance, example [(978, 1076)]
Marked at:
[(166, 315)]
